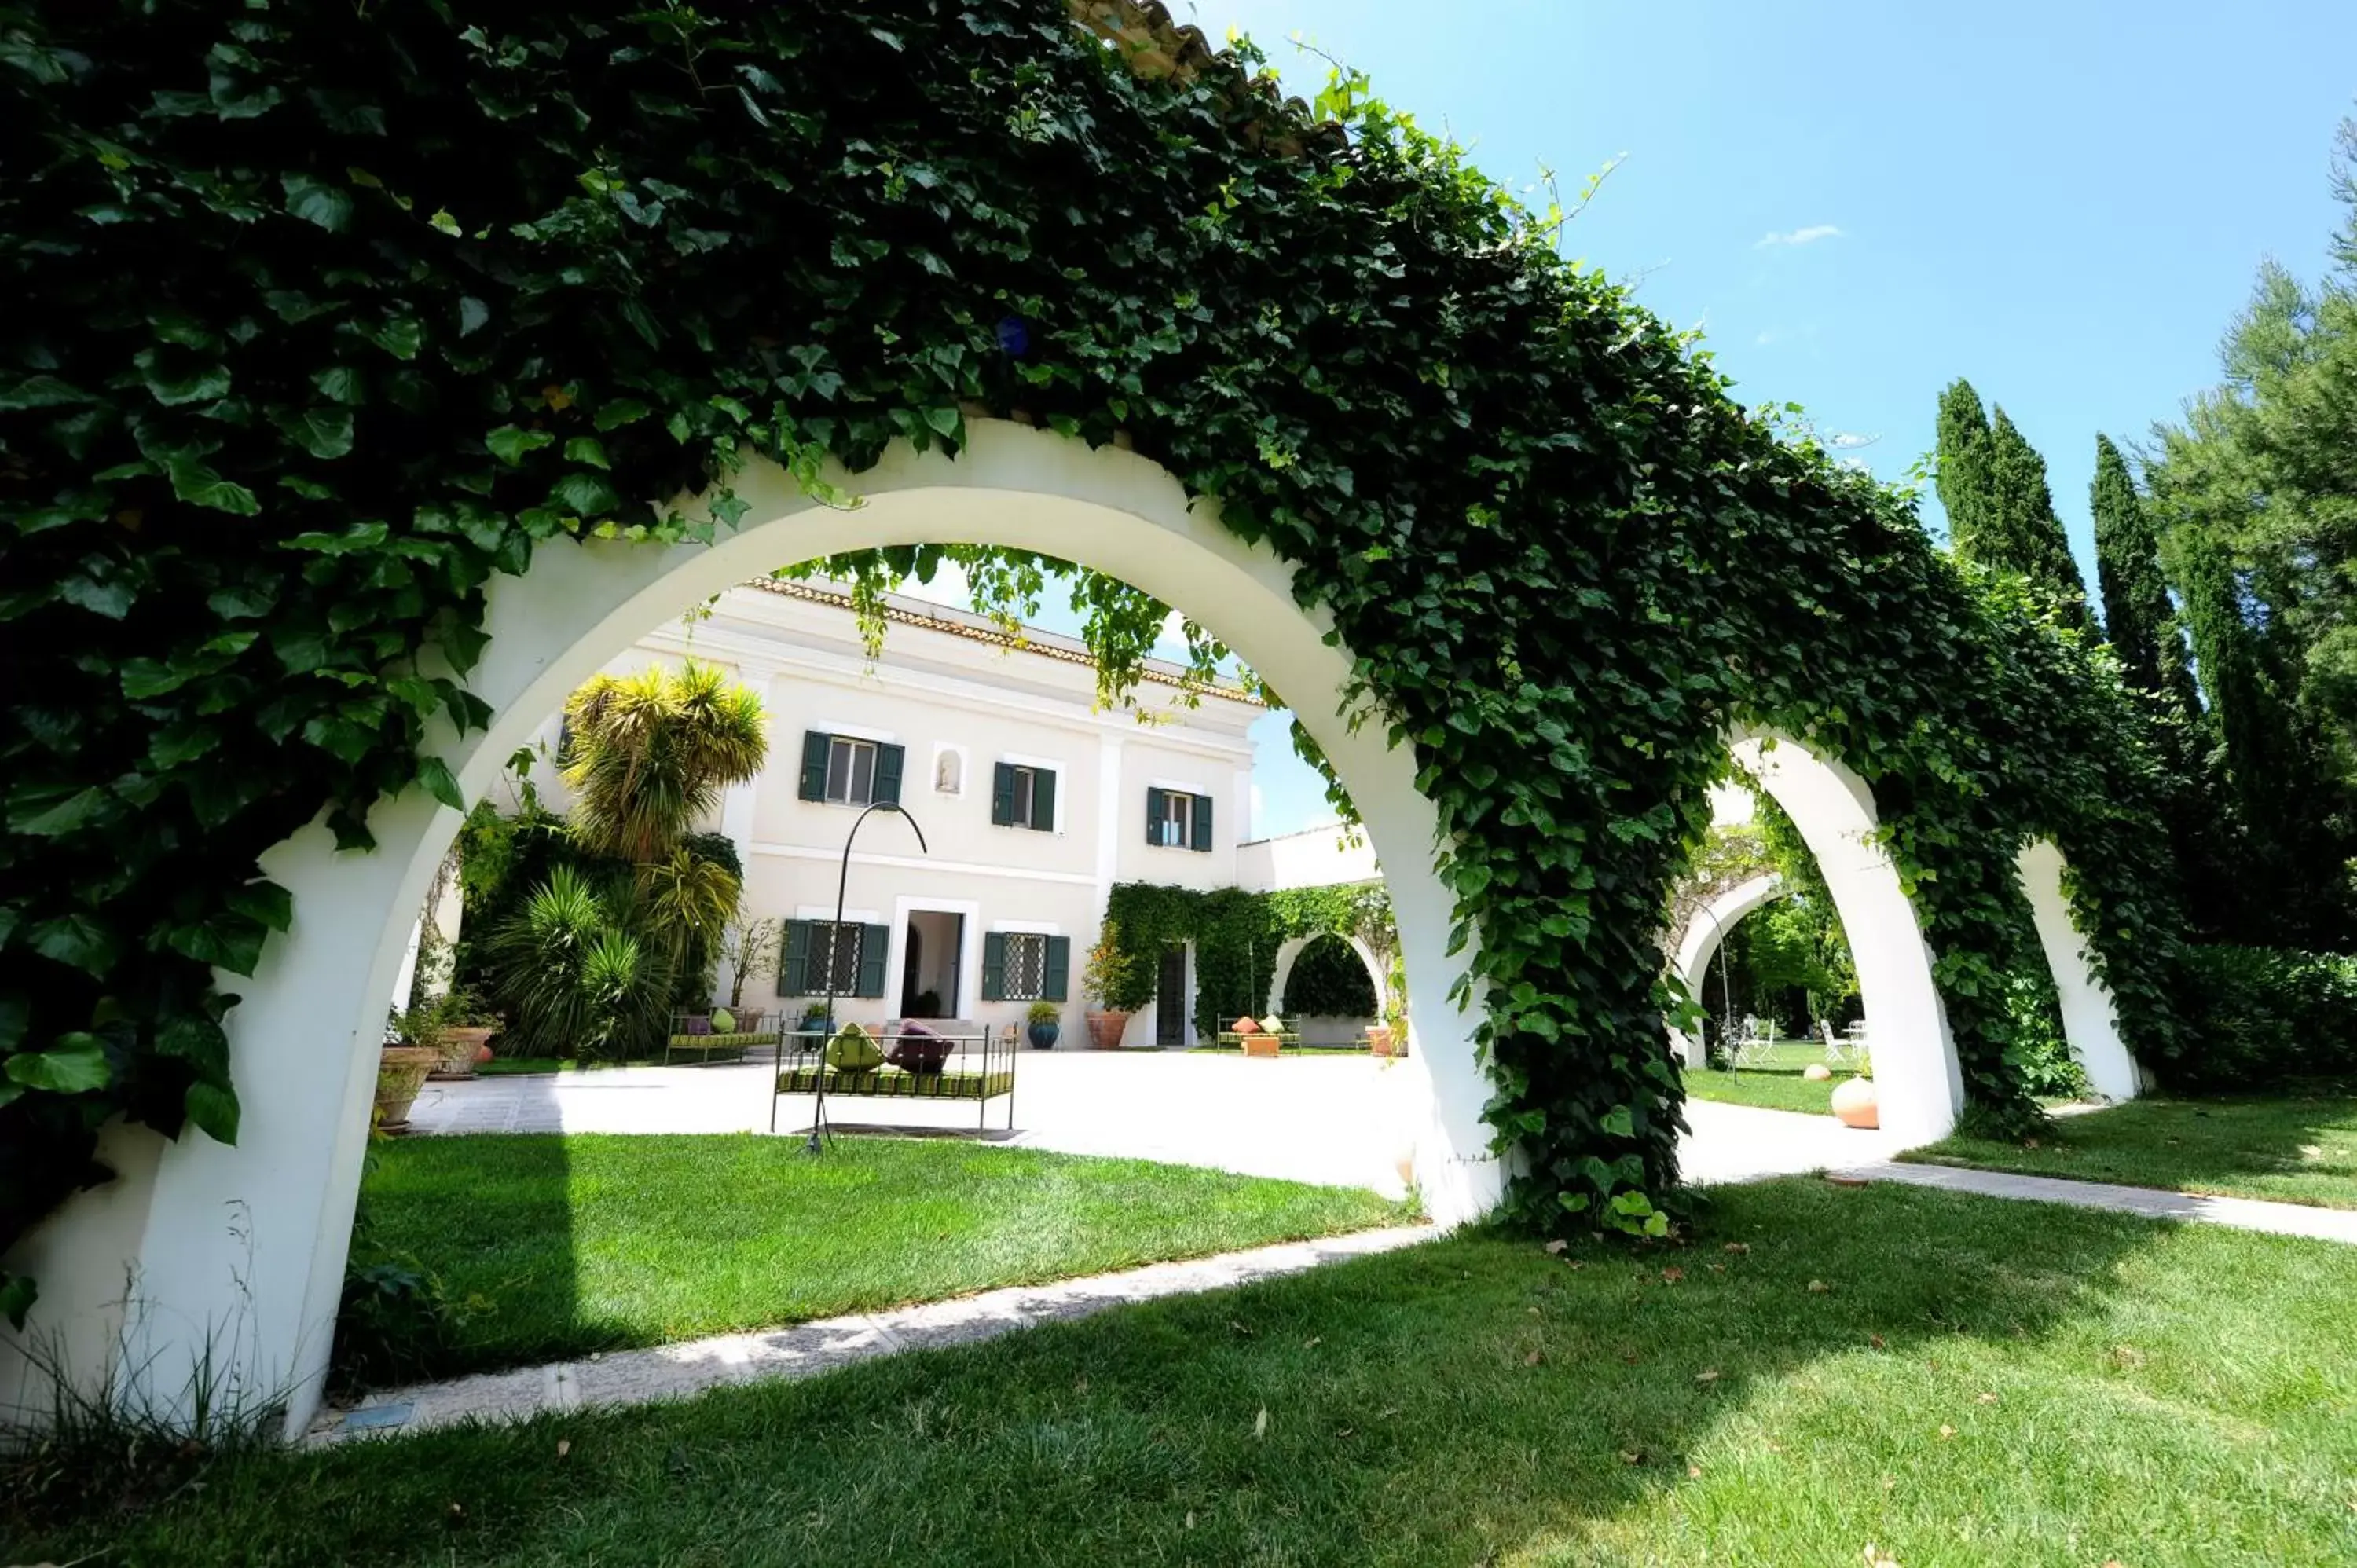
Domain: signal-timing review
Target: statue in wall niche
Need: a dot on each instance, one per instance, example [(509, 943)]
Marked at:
[(948, 776)]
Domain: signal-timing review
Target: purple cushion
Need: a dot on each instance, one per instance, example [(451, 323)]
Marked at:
[(919, 1050), (699, 1024)]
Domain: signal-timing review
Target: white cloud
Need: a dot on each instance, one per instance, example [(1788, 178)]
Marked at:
[(1843, 440), (1808, 236)]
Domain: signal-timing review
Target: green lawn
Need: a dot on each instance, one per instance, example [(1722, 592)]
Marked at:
[(1776, 1085), (1958, 1380), (2296, 1149), (509, 1067), (592, 1242)]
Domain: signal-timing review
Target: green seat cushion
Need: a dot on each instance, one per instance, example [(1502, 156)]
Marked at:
[(853, 1049), (893, 1083), (735, 1042)]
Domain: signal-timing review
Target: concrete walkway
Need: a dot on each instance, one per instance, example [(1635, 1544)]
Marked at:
[(2242, 1213), (674, 1371), (1338, 1121)]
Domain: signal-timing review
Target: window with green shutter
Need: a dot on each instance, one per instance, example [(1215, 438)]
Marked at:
[(1175, 820), (1026, 966), (1022, 796), (853, 955), (843, 771)]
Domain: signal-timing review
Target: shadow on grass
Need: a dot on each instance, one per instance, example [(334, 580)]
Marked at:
[(1955, 1379), (2296, 1147)]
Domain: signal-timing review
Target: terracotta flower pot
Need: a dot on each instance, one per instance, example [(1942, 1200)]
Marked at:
[(1106, 1030), (1854, 1103), (400, 1074), (1261, 1045), (1379, 1039), (461, 1049)]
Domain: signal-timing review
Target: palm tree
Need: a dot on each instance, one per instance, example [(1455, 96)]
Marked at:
[(688, 899), (651, 753)]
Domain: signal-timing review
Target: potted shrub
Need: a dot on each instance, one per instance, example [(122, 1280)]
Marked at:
[(1042, 1025), (1118, 983), (411, 1051), (464, 1036)]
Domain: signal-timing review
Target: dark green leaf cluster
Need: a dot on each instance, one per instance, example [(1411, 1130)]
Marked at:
[(323, 315), (1237, 935)]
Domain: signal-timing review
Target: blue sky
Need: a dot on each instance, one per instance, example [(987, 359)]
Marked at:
[(2061, 202)]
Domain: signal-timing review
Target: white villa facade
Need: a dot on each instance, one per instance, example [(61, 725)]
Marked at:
[(1033, 804)]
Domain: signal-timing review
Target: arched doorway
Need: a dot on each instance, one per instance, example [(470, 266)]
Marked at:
[(1701, 941), (258, 1231)]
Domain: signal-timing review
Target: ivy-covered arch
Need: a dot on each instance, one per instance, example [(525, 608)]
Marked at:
[(420, 302)]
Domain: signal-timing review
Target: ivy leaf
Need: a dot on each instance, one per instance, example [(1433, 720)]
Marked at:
[(947, 421), (509, 443), (586, 495), (341, 383), (205, 383), (197, 1040), (316, 201), (434, 774), (214, 1111), (322, 431), (225, 938), (197, 485), (45, 810), (1618, 1123), (622, 412), (79, 941), (76, 1065), (145, 678), (265, 902), (41, 391), (472, 314), (586, 450), (17, 1292), (401, 336)]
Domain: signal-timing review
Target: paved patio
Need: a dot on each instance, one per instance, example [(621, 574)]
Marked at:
[(1341, 1119)]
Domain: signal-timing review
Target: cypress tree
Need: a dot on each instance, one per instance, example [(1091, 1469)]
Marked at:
[(2139, 622), (1963, 462), (2021, 532)]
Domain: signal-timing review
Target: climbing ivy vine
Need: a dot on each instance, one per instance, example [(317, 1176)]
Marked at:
[(324, 316), (1237, 935)]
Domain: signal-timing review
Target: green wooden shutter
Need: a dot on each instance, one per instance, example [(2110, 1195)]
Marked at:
[(994, 966), (1043, 799), (1203, 823), (890, 761), (793, 965), (1002, 795), (1155, 806), (815, 748), (875, 945), (1055, 985)]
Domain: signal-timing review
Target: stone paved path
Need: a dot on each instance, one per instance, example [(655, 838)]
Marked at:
[(672, 1371), (2242, 1213)]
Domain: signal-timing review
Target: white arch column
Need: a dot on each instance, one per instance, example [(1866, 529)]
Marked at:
[(240, 1251), (2090, 1019), (1918, 1081), (1700, 944)]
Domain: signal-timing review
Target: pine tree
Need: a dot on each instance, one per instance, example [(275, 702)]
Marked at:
[(2139, 622), (1962, 461), (2021, 532)]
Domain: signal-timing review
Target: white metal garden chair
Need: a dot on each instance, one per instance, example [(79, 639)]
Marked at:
[(1848, 1046), (1752, 1046)]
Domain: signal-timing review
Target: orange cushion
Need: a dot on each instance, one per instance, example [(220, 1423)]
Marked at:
[(1247, 1027)]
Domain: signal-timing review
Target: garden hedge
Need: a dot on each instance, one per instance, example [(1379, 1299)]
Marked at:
[(2261, 1018), (323, 314)]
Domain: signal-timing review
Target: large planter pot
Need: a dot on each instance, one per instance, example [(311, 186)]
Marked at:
[(1042, 1035), (400, 1074), (1106, 1030), (1379, 1039), (461, 1049), (1854, 1103)]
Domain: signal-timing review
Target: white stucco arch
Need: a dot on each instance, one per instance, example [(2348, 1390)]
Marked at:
[(1700, 943), (2090, 1019), (1917, 1082), (246, 1244), (1292, 947)]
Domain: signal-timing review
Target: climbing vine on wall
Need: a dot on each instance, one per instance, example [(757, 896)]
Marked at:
[(420, 294), (1237, 934)]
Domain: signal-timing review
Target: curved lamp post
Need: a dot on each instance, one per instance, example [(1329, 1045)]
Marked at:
[(842, 881)]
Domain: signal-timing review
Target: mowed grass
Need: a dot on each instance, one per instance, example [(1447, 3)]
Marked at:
[(1957, 1380), (1776, 1084), (593, 1242), (2295, 1149)]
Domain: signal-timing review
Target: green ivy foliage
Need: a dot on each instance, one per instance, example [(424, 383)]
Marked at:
[(324, 315), (1237, 935), (1328, 982)]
